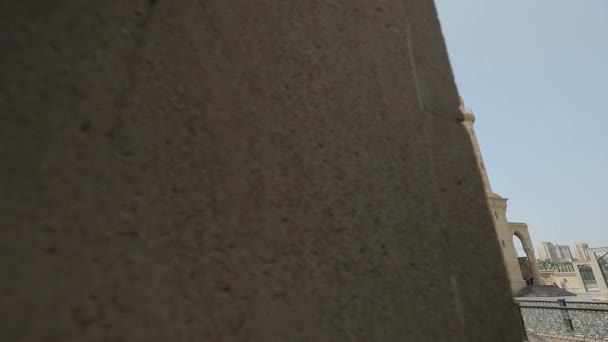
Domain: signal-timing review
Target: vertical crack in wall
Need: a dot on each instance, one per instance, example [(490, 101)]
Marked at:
[(458, 308), (133, 61), (134, 58), (410, 51), (458, 304), (457, 298), (407, 36)]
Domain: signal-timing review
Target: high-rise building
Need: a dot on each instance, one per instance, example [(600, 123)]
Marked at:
[(563, 252), (582, 252), (547, 251)]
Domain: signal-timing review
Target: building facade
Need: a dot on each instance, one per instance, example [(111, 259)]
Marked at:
[(547, 252), (582, 253), (564, 253)]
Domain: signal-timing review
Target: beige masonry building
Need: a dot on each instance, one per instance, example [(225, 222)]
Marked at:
[(505, 230)]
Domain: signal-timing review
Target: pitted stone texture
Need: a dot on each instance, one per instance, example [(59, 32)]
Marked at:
[(239, 171)]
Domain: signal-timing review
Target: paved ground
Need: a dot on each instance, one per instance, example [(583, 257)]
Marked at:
[(535, 338)]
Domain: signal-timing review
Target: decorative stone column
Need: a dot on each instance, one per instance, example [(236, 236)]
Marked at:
[(538, 280)]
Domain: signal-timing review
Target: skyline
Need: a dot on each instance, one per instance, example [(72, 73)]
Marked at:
[(521, 252), (535, 75)]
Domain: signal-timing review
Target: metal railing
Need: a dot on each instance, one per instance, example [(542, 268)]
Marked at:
[(580, 319), (559, 302)]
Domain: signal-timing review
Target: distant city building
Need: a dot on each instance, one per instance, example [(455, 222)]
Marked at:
[(563, 252), (547, 251), (582, 252)]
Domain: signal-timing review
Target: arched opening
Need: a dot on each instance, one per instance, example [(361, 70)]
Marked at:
[(525, 263)]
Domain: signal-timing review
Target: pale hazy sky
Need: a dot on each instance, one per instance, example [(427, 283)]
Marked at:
[(535, 73)]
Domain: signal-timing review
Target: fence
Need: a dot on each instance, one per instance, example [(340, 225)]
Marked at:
[(576, 321)]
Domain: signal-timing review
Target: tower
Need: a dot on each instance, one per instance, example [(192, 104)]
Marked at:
[(498, 209), (582, 252), (548, 251)]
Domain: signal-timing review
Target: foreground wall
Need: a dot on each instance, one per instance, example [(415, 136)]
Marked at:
[(239, 171)]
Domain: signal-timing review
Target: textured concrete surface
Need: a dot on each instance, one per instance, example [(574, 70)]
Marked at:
[(239, 171)]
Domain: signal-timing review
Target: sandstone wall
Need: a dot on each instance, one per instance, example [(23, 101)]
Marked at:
[(239, 171)]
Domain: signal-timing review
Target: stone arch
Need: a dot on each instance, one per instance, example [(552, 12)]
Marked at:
[(525, 244), (521, 253), (517, 237), (520, 231)]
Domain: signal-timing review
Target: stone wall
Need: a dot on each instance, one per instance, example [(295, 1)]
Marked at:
[(547, 337), (239, 171), (567, 321)]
